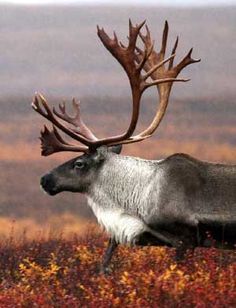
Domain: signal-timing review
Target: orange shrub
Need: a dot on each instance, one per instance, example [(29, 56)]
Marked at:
[(58, 272)]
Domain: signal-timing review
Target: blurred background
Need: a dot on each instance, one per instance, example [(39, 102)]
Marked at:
[(52, 47)]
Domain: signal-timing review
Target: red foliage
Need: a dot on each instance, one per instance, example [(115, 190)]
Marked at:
[(65, 273)]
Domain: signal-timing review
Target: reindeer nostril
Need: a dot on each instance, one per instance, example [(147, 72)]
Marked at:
[(43, 181)]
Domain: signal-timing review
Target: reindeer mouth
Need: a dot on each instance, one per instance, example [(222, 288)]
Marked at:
[(50, 192)]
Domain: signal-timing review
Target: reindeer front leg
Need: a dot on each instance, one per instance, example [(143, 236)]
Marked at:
[(112, 245)]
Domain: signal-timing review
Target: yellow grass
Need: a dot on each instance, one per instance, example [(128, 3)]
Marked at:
[(65, 224)]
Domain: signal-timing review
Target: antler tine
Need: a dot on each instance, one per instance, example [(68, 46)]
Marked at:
[(133, 34), (62, 107), (148, 35), (52, 142), (145, 38), (186, 61), (158, 65), (164, 81), (49, 115), (36, 106), (164, 39), (115, 37), (76, 106), (173, 52), (76, 120), (79, 123), (63, 115)]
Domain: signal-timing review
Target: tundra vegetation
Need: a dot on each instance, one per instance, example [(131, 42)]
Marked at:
[(59, 272)]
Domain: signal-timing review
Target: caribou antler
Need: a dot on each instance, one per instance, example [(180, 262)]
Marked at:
[(144, 68), (52, 142), (154, 60), (155, 68), (127, 57)]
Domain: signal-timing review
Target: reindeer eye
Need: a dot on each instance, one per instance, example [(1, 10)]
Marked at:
[(79, 165)]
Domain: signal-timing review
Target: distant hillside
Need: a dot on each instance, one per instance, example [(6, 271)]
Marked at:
[(55, 49)]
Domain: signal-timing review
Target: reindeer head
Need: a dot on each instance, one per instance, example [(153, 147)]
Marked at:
[(145, 68), (77, 174)]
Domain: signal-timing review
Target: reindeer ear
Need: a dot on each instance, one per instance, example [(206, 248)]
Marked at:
[(101, 154), (116, 149)]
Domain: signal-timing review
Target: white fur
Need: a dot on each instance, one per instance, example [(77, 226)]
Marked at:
[(121, 194), (121, 226)]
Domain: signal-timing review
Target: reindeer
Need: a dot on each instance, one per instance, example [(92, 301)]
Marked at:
[(169, 202)]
